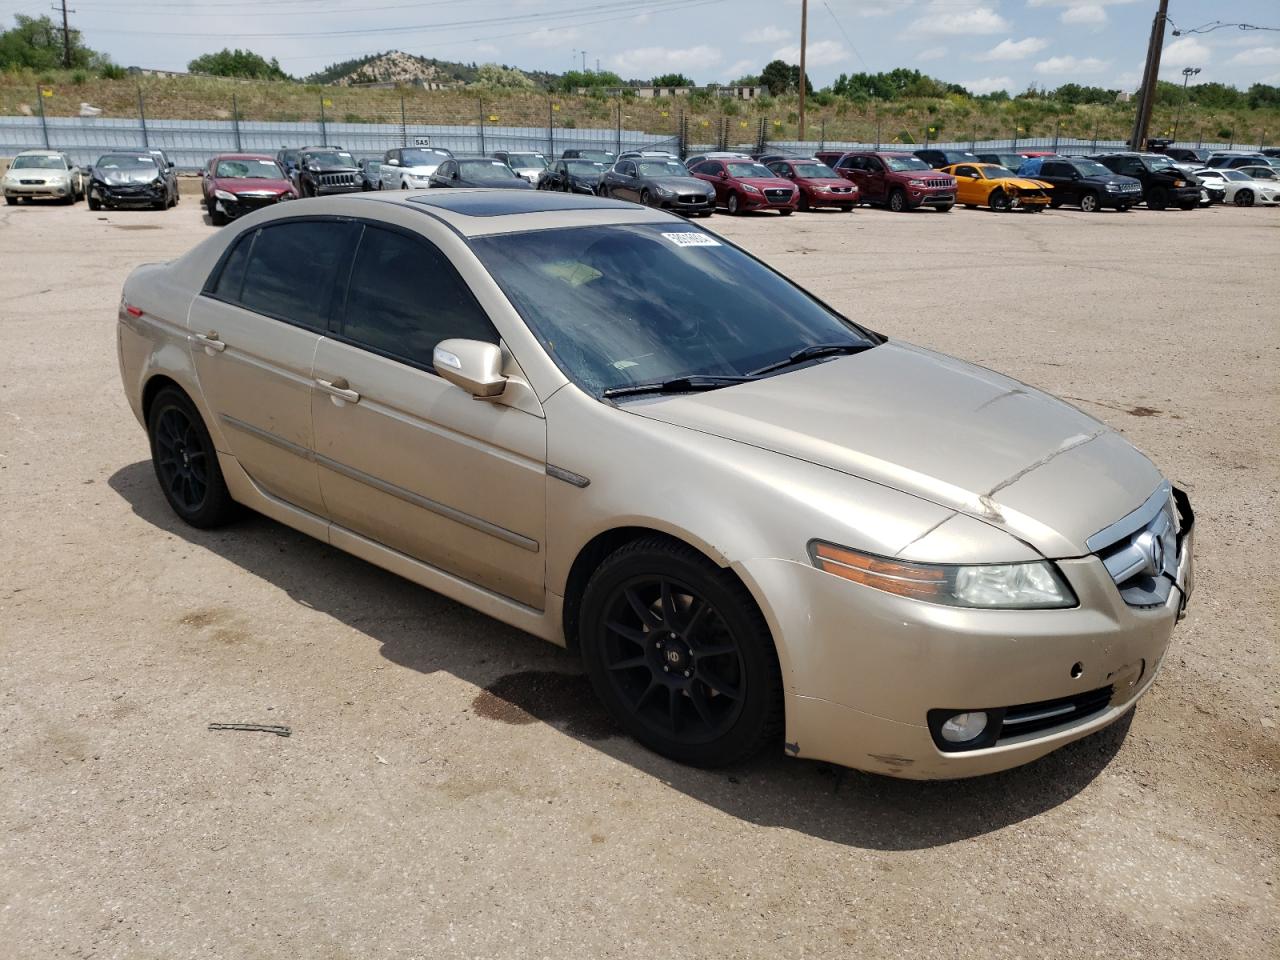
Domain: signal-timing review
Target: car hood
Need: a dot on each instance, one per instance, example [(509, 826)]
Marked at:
[(764, 183), (127, 176), (822, 182), (238, 185), (421, 170), (677, 183), (1026, 183), (941, 429), (1114, 178)]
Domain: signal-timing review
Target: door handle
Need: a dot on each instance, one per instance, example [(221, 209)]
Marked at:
[(210, 342), (338, 387)]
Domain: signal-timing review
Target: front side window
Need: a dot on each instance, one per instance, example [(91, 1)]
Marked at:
[(293, 269), (405, 297), (638, 303)]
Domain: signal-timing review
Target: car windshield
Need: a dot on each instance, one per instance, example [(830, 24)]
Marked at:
[(37, 163), (898, 164), (992, 172), (600, 156), (814, 171), (527, 161), (1159, 163), (117, 162), (332, 158), (423, 158), (249, 170), (642, 303), (486, 171), (1090, 168), (958, 156), (749, 170), (662, 168), (584, 168)]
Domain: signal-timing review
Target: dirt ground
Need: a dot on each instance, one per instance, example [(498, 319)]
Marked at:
[(452, 790)]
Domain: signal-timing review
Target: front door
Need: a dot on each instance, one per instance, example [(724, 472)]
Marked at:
[(406, 458), (254, 334)]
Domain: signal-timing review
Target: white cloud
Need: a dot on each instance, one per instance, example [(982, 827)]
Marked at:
[(977, 21), (1185, 52), (933, 53), (1063, 66), (1092, 14), (647, 61), (820, 54), (551, 37), (642, 18), (768, 34), (1257, 57), (988, 84), (740, 68), (1014, 49), (485, 50)]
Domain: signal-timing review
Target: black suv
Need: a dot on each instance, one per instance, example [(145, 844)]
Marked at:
[(1186, 155), (1163, 184), (1083, 183), (325, 170), (945, 158)]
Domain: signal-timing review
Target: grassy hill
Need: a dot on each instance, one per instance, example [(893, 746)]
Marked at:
[(951, 117)]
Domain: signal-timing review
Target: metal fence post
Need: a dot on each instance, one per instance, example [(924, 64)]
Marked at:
[(1015, 139), (404, 124), (1057, 125), (481, 101), (973, 139), (822, 134), (551, 129), (878, 139), (44, 124), (235, 121), (1096, 127), (142, 118), (324, 128), (619, 130)]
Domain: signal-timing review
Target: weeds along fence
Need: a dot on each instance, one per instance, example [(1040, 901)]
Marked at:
[(194, 123)]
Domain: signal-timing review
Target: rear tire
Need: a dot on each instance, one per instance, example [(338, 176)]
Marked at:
[(186, 462), (680, 655)]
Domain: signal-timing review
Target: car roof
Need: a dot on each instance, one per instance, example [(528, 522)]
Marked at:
[(43, 152), (245, 156)]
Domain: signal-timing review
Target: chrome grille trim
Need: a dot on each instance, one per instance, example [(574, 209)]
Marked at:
[(1140, 551)]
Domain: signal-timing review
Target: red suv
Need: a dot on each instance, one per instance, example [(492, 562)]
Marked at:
[(746, 185), (818, 184), (899, 181)]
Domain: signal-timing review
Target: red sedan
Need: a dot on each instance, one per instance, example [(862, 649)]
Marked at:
[(236, 183), (819, 185), (743, 185)]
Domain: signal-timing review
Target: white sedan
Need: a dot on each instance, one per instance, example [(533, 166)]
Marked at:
[(1242, 189)]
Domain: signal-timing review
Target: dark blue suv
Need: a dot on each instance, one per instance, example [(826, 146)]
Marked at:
[(1083, 183)]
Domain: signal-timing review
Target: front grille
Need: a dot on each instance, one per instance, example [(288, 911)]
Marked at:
[(32, 183), (337, 179), (692, 199), (934, 184), (775, 195), (249, 202), (1047, 714), (1140, 551), (840, 189)]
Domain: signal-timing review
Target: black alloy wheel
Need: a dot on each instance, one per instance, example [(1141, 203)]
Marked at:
[(680, 655), (999, 200), (186, 463), (1244, 198)]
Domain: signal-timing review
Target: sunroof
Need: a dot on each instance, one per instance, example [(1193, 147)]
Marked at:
[(499, 203)]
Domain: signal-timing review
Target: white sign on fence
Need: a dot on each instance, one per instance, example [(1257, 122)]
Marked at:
[(422, 141)]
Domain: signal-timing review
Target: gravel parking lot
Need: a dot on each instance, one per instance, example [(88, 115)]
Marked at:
[(451, 789)]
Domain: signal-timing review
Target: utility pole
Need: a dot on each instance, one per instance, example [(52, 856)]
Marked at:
[(584, 61), (804, 36), (66, 35), (1150, 76)]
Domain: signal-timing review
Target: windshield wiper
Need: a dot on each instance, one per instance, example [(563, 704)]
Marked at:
[(812, 352), (688, 384)]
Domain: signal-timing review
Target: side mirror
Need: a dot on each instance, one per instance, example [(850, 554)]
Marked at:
[(473, 365)]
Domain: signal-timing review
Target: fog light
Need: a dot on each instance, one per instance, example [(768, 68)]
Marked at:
[(964, 727)]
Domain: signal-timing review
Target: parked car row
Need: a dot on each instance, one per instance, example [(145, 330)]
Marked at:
[(145, 178)]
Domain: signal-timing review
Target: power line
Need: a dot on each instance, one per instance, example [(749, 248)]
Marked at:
[(1213, 25), (845, 34)]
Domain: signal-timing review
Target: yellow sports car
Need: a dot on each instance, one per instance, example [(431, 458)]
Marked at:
[(988, 185)]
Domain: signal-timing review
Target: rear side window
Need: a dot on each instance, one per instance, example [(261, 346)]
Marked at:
[(293, 269), (1055, 170), (231, 279), (405, 297)]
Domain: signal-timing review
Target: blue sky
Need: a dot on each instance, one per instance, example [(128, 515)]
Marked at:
[(983, 44)]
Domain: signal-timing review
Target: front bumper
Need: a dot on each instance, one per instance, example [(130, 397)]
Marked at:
[(930, 198), (246, 204), (863, 668), (688, 203), (45, 189), (825, 198), (755, 201), (141, 195)]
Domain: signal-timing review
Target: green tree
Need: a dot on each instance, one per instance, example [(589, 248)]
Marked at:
[(672, 80), (750, 80), (238, 63), (572, 81), (781, 77), (35, 43), (499, 77)]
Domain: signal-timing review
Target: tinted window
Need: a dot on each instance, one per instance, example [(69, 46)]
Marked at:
[(1055, 170), (227, 286), (292, 270), (405, 297)]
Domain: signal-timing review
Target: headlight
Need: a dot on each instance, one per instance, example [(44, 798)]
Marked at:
[(749, 188), (916, 183), (1179, 183), (664, 192), (991, 586), (224, 195), (158, 182), (1113, 187)]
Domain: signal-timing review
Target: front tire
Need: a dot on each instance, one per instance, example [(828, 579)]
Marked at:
[(186, 463), (1244, 198), (680, 655), (1158, 199), (94, 203), (11, 201), (999, 201), (785, 213), (898, 201), (732, 204), (1089, 203)]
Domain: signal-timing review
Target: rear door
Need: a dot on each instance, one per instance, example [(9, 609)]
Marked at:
[(1063, 178), (255, 331), (406, 458)]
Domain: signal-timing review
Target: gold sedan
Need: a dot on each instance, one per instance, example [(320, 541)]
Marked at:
[(989, 185)]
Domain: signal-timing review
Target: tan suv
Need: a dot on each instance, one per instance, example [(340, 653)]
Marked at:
[(619, 432)]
